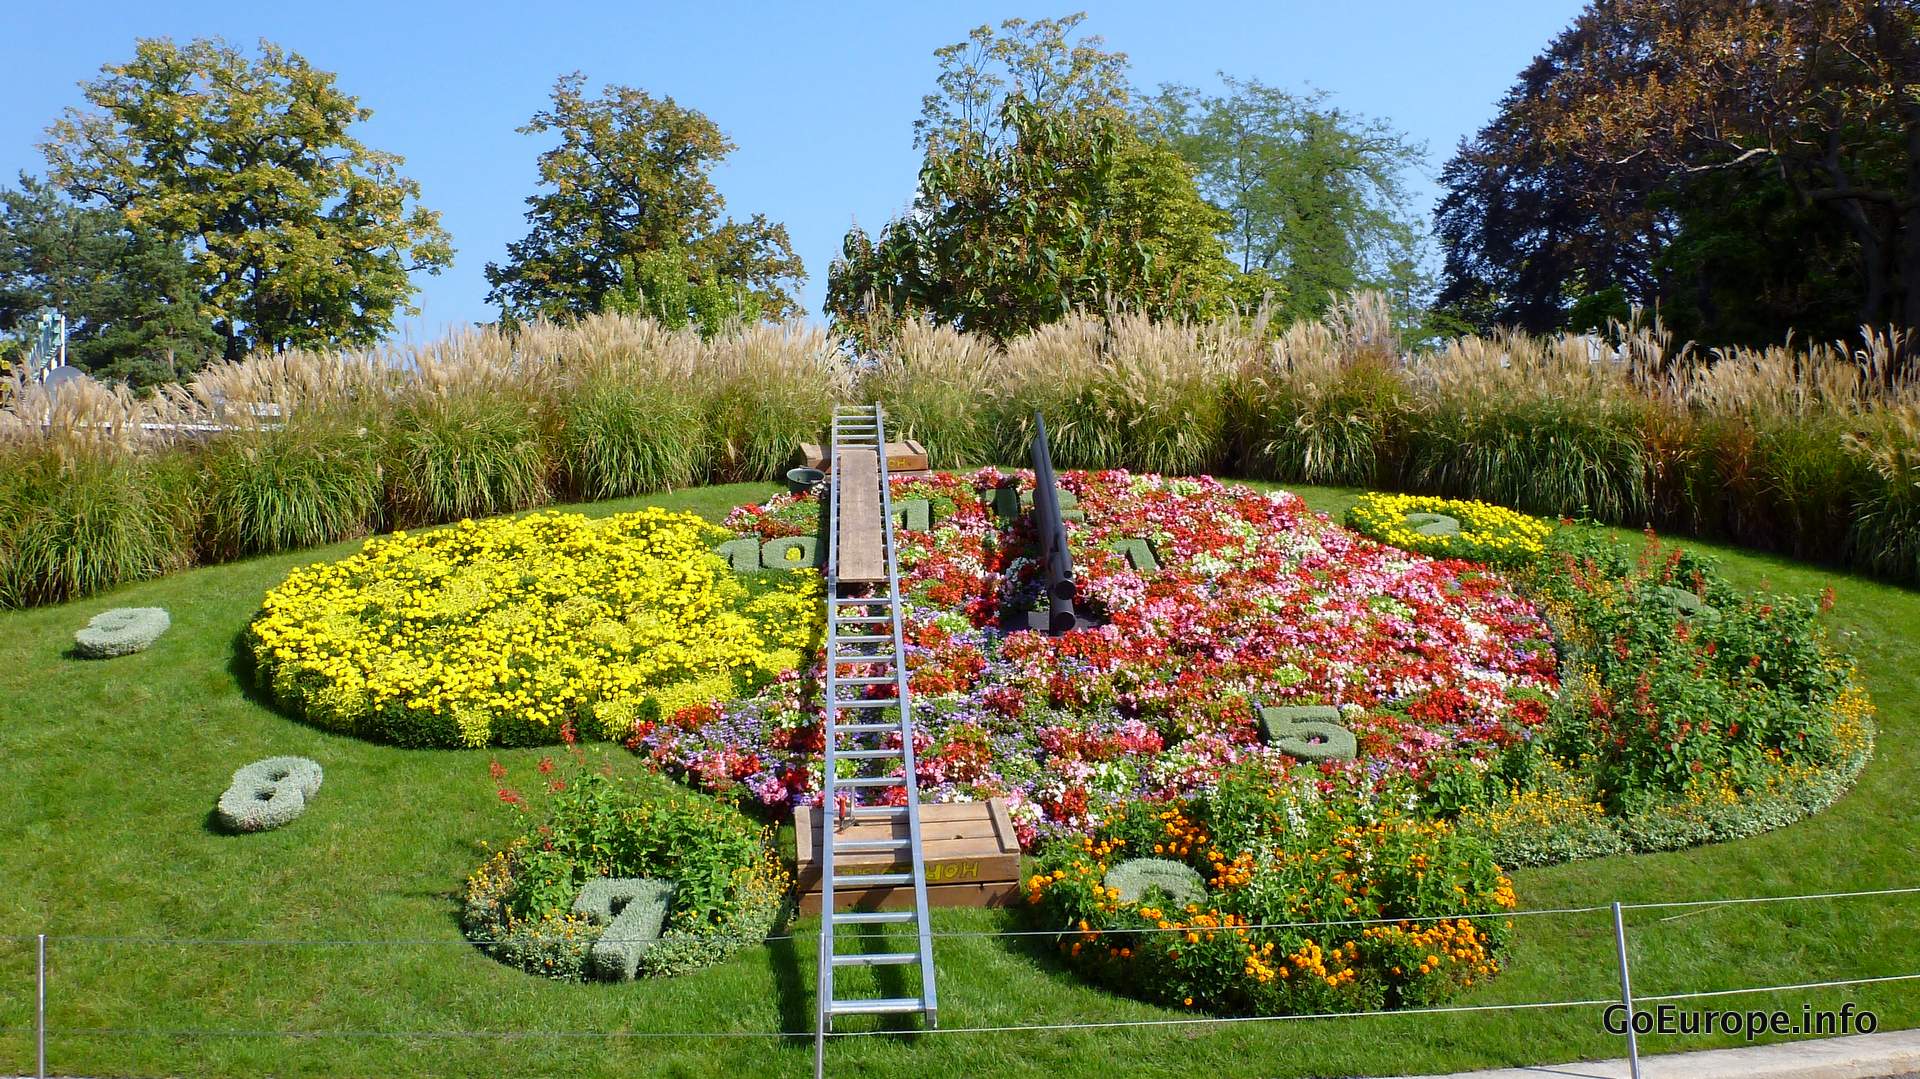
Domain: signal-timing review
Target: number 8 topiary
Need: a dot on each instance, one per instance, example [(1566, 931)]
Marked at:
[(267, 794)]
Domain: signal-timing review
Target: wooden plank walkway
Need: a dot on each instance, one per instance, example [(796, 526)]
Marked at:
[(863, 557)]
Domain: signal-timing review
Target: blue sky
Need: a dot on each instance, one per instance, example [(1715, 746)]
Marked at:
[(820, 97)]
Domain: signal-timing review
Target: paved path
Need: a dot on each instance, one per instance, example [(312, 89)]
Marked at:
[(1892, 1055)]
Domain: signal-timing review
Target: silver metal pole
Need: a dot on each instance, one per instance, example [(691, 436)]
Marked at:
[(40, 1005), (1626, 990)]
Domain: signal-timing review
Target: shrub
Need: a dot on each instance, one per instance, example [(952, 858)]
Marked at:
[(121, 632), (1273, 857), (1450, 528), (465, 453), (317, 481), (728, 888), (268, 793), (512, 630), (1658, 698)]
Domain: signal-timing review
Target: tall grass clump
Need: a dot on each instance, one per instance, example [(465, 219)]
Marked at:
[(937, 387), (314, 481), (767, 389), (1886, 526), (72, 524), (1322, 402), (1547, 426), (465, 454), (618, 439), (1120, 392)]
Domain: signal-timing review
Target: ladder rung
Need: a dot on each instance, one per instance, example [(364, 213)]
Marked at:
[(871, 781), (847, 619), (867, 680), (866, 754), (876, 1006), (877, 657), (849, 846), (866, 638), (849, 600), (865, 702), (874, 917), (871, 880), (881, 959), (879, 811), (865, 728)]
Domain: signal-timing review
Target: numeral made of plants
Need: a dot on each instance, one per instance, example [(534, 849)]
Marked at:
[(1139, 554), (1310, 732), (267, 794), (1433, 524), (633, 909), (747, 554)]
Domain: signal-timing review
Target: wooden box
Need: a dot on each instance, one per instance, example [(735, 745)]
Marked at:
[(908, 456), (971, 855)]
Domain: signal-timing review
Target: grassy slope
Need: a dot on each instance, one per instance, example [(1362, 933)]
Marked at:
[(107, 771)]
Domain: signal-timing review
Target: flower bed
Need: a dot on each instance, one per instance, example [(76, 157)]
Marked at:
[(507, 631), (1451, 528), (1431, 903), (1247, 601), (727, 886)]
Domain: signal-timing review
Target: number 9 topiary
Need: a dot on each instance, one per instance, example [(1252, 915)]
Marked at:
[(121, 632), (267, 794)]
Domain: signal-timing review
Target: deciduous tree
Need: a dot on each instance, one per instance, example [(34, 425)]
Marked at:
[(298, 234), (630, 179)]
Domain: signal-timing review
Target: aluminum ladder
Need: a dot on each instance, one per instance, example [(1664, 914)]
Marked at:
[(865, 651)]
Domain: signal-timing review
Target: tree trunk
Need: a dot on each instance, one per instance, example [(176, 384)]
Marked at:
[(1907, 222)]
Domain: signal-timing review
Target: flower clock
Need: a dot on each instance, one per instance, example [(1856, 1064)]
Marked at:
[(1244, 609)]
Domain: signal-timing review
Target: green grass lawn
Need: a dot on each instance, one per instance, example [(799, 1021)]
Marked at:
[(108, 771)]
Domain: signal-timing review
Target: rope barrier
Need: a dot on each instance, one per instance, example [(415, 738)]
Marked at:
[(809, 934)]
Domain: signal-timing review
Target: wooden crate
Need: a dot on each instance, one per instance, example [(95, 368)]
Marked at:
[(902, 457), (971, 855)]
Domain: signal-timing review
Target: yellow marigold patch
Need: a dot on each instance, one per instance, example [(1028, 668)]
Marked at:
[(503, 631), (1451, 527)]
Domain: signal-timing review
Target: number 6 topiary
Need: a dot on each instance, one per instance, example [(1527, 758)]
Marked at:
[(267, 794)]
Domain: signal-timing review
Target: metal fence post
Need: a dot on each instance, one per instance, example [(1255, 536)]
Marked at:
[(1626, 990), (40, 1006)]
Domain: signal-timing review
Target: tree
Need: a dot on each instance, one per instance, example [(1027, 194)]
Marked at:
[(1029, 61), (1038, 195), (129, 296), (1077, 211), (298, 234), (631, 178), (1824, 96), (659, 286), (1652, 132), (1315, 194)]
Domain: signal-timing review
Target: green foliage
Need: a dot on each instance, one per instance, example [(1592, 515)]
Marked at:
[(1269, 857), (72, 526), (629, 184), (130, 298), (314, 481), (633, 910), (121, 632), (464, 454), (727, 883), (656, 286), (1658, 697), (299, 235), (1316, 198), (1077, 211)]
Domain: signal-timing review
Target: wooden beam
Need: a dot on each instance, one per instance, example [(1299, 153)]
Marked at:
[(861, 547)]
